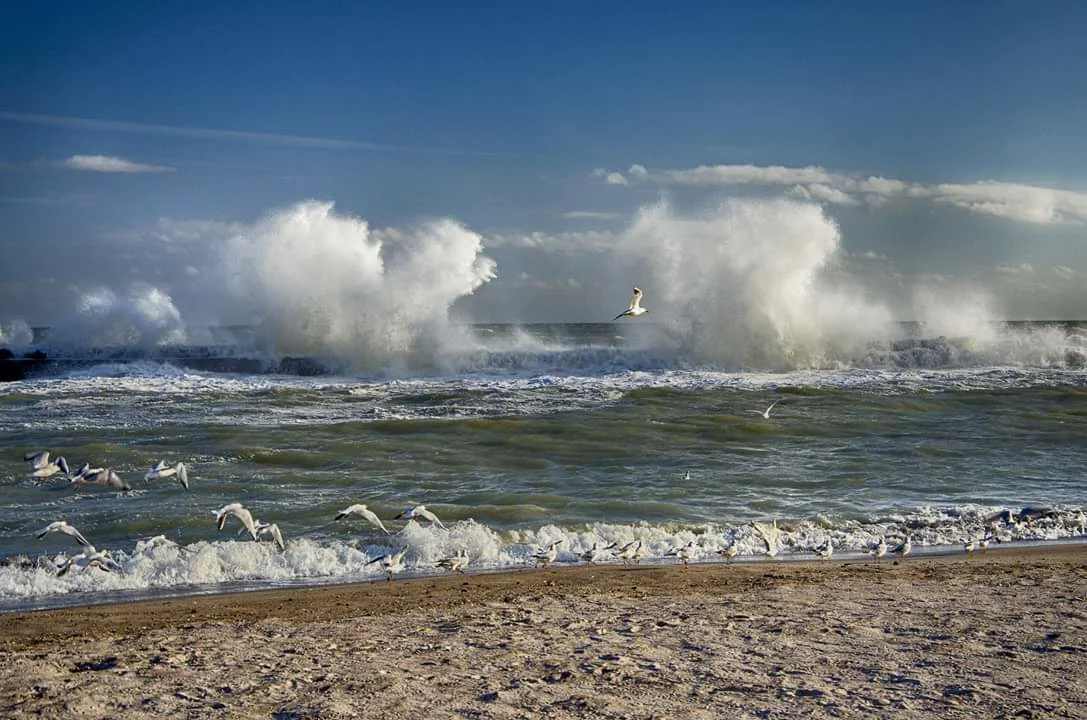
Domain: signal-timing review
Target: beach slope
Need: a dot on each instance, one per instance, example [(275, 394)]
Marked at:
[(1000, 634)]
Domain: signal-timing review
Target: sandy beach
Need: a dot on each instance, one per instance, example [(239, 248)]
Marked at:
[(1000, 634)]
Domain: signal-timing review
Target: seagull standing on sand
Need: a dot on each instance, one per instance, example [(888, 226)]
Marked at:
[(546, 557), (237, 510), (362, 511), (455, 563), (880, 549), (728, 552), (684, 554), (41, 467), (826, 550), (392, 563), (594, 553), (420, 511), (635, 308), (903, 548), (765, 413), (161, 471)]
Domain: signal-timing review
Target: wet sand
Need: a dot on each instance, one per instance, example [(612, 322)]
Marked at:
[(1000, 634)]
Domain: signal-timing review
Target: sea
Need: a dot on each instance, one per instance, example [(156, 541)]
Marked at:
[(517, 436)]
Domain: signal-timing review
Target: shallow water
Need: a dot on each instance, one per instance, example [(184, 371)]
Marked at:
[(559, 432)]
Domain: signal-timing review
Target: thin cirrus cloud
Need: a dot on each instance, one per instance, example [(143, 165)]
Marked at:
[(110, 164), (1012, 201), (200, 133)]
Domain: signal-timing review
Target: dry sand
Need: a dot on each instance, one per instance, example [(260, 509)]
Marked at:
[(994, 635)]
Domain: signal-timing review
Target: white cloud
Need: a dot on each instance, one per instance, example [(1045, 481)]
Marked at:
[(610, 178), (590, 215), (1027, 203), (592, 240), (823, 193), (1064, 272), (110, 164), (1013, 201)]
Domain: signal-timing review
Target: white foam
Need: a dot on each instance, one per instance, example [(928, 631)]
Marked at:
[(209, 564)]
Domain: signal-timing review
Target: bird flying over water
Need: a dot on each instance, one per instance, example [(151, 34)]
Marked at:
[(362, 511), (237, 510), (765, 413), (161, 471), (41, 467), (420, 511), (64, 527), (635, 308), (86, 475)]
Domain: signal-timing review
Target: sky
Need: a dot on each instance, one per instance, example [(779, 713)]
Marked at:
[(943, 141)]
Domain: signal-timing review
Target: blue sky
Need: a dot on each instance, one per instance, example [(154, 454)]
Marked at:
[(118, 117)]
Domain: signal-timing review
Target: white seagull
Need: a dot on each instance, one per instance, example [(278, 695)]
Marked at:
[(41, 467), (161, 471), (455, 563), (546, 557), (826, 550), (86, 475), (147, 546), (271, 530), (595, 553), (631, 551), (769, 536), (729, 551), (880, 549), (420, 511), (635, 308), (88, 558), (903, 548), (393, 562), (765, 413), (683, 554), (64, 527), (362, 511), (237, 510)]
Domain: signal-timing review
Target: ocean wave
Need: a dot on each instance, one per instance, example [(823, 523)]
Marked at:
[(202, 566)]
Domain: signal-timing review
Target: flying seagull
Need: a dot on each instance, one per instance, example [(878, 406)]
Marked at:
[(237, 510), (64, 527), (635, 308), (41, 467), (420, 511), (765, 413), (362, 511), (161, 471), (86, 475), (769, 536)]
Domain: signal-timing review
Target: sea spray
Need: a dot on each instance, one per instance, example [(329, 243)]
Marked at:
[(144, 317), (745, 284), (320, 283)]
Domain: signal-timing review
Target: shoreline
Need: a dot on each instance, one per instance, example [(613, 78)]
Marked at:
[(994, 634)]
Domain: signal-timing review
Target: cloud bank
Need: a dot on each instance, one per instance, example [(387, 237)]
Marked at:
[(1012, 201)]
